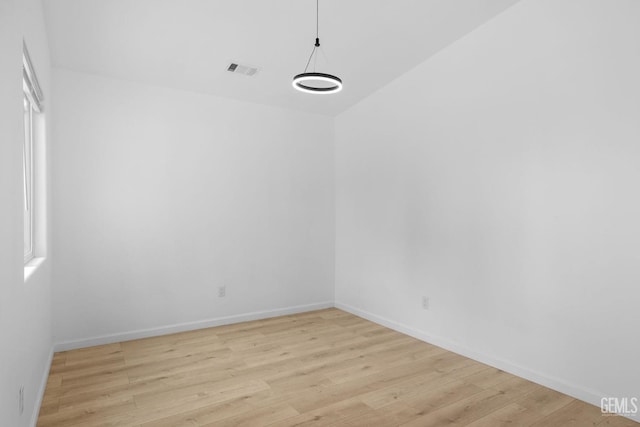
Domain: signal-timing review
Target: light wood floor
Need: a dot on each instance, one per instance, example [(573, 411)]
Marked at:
[(320, 368)]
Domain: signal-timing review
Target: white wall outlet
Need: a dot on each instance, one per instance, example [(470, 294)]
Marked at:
[(21, 400), (222, 291), (425, 303)]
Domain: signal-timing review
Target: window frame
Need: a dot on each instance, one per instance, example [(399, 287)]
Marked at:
[(32, 106), (28, 175)]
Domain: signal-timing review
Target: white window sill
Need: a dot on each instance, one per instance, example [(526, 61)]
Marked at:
[(31, 267)]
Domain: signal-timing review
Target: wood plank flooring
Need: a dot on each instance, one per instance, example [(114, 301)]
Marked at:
[(322, 368)]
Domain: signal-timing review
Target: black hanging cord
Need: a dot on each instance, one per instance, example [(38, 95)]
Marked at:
[(310, 56), (317, 45)]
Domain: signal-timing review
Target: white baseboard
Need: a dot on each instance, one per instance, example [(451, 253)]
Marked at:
[(40, 395), (187, 326), (578, 392)]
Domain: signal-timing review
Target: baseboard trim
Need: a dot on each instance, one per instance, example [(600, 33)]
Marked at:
[(43, 386), (187, 326), (578, 392)]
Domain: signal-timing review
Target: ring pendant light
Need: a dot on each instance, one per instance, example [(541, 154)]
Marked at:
[(314, 82)]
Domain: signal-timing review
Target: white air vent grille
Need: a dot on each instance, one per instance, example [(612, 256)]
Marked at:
[(241, 69)]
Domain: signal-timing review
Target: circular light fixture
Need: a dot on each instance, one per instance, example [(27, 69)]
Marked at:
[(314, 82), (317, 83)]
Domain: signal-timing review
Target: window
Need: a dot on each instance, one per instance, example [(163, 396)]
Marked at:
[(27, 160), (32, 106)]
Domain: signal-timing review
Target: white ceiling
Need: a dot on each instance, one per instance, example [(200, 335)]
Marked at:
[(187, 44)]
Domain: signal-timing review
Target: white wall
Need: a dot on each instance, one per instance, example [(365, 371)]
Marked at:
[(500, 179), (496, 178), (162, 196), (25, 307)]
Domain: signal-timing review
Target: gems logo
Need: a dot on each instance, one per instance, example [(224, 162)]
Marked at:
[(619, 405)]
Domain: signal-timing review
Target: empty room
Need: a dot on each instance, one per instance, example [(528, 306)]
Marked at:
[(319, 213)]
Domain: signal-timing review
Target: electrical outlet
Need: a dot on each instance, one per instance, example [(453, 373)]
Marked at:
[(425, 303), (21, 399), (222, 291)]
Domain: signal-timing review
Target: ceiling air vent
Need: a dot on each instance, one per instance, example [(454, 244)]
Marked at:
[(241, 69)]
